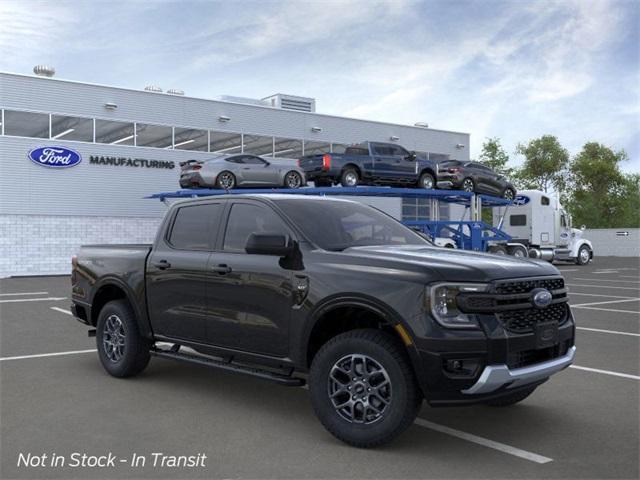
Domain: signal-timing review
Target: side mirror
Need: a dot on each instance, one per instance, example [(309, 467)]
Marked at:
[(269, 244), (583, 227), (412, 156)]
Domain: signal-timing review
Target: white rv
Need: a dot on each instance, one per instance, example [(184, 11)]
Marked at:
[(540, 226)]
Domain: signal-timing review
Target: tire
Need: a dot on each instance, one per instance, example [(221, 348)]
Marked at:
[(427, 181), (519, 251), (132, 356), (512, 399), (508, 194), (349, 178), (584, 255), (498, 250), (292, 180), (379, 422), (226, 180), (468, 185)]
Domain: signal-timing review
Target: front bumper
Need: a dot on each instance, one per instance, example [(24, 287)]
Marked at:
[(495, 377)]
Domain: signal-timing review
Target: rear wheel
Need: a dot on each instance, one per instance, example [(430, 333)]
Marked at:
[(519, 251), (349, 178), (584, 255), (122, 350), (226, 180), (427, 181), (497, 250), (512, 399), (468, 185), (363, 389), (293, 179)]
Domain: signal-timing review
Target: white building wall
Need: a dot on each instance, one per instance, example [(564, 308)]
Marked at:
[(44, 244), (612, 242)]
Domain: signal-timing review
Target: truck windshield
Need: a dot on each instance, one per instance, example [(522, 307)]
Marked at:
[(337, 225)]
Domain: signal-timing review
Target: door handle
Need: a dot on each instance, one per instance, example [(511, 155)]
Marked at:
[(222, 269), (162, 265)]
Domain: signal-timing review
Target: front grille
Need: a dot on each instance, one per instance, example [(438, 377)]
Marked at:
[(525, 358), (523, 321), (525, 286)]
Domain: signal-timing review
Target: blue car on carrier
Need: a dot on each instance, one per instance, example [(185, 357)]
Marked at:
[(371, 163)]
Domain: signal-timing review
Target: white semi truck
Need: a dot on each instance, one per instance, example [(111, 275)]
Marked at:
[(541, 228)]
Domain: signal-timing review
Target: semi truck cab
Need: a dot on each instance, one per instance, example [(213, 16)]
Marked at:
[(537, 221)]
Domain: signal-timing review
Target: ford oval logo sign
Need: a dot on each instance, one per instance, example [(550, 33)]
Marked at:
[(521, 200), (542, 298), (55, 157)]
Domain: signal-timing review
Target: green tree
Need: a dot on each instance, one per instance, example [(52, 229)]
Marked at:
[(600, 195), (545, 164), (494, 156)]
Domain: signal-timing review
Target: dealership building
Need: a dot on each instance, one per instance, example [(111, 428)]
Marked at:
[(128, 145)]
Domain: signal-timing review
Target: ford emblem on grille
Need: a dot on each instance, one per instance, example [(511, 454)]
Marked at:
[(55, 157), (541, 298)]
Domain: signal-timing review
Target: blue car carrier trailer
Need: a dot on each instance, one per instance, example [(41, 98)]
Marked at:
[(472, 234)]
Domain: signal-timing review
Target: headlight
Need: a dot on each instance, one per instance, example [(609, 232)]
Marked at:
[(444, 306)]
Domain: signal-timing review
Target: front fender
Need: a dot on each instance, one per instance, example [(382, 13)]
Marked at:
[(579, 243)]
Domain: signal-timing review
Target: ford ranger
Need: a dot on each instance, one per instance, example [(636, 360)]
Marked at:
[(332, 292), (371, 163)]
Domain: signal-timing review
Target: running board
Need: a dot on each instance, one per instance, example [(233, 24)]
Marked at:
[(230, 367)]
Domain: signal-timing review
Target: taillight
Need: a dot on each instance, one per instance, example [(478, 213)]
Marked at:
[(454, 170), (196, 167), (299, 162), (74, 265), (326, 161)]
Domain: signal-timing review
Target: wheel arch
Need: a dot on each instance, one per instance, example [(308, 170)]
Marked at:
[(350, 312), (430, 171), (112, 288), (354, 166)]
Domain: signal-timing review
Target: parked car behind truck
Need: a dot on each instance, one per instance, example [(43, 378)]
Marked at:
[(241, 170), (371, 163), (276, 286), (474, 177)]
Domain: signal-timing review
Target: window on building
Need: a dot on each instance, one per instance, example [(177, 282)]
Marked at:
[(415, 209), (114, 133), (71, 128), (287, 148), (314, 148), (258, 145), (157, 136), (246, 219), (193, 226), (190, 139), (26, 124), (518, 220), (225, 142)]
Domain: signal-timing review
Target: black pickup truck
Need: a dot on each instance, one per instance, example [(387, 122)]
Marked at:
[(293, 288), (371, 163)]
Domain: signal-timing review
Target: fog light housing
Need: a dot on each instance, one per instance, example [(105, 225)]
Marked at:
[(461, 367)]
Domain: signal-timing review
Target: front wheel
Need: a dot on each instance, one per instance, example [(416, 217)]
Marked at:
[(427, 181), (363, 389), (122, 350), (468, 185), (519, 251), (293, 179), (509, 194), (584, 255)]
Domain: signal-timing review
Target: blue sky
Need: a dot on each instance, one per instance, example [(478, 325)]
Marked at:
[(515, 70)]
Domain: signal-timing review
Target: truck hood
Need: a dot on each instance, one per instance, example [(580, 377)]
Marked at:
[(458, 265)]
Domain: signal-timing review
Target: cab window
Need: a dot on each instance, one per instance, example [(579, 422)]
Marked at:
[(245, 219), (544, 201), (194, 226), (518, 220)]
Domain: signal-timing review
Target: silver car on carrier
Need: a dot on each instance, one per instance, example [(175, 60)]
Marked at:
[(241, 170)]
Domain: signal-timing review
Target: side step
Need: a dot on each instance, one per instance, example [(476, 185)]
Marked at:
[(210, 362)]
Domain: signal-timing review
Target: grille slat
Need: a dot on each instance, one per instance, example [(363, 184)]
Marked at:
[(525, 286)]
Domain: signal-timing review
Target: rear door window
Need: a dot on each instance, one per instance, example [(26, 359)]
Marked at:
[(194, 227)]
